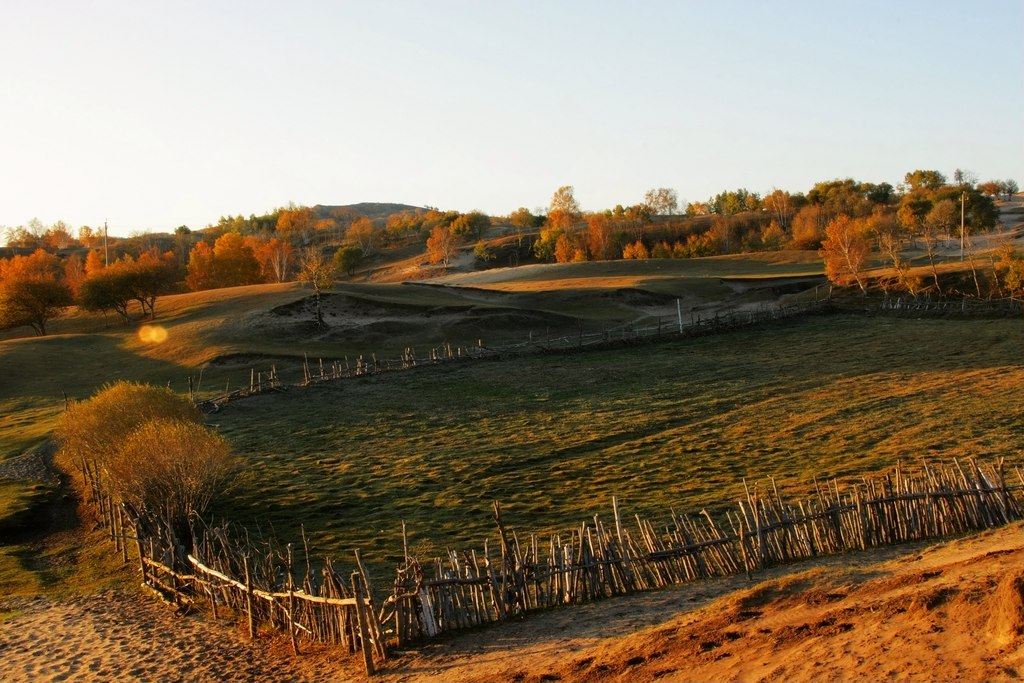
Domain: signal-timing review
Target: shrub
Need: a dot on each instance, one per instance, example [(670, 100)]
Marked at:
[(90, 431), (148, 448), (170, 468)]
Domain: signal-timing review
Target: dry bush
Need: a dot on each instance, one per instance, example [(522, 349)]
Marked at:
[(149, 448), (171, 468), (90, 431)]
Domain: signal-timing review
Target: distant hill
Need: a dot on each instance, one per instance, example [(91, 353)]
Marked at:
[(368, 209)]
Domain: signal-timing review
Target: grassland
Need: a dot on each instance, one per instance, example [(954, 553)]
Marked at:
[(677, 424), (552, 437)]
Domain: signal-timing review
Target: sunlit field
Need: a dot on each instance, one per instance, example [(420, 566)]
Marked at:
[(677, 424)]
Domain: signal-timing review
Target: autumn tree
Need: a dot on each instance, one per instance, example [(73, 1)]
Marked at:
[(442, 245), (230, 263), (697, 209), (662, 200), (1009, 270), (234, 261), (28, 236), (991, 188), (724, 230), (808, 227), (126, 280), (523, 221), (570, 248), (297, 224), (201, 272), (602, 242), (74, 273), (275, 256), (772, 236), (563, 214), (924, 180), (363, 234), (1008, 188), (318, 272), (150, 276), (93, 262), (58, 236), (32, 291), (890, 236), (472, 225), (564, 211), (636, 250), (347, 259), (845, 251), (779, 203), (404, 225)]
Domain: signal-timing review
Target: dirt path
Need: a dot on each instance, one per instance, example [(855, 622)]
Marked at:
[(949, 612)]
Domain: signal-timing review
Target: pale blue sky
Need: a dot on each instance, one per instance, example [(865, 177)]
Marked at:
[(157, 114)]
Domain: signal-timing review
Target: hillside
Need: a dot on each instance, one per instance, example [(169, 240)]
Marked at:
[(679, 424)]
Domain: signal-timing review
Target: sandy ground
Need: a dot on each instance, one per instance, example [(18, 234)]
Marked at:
[(949, 612)]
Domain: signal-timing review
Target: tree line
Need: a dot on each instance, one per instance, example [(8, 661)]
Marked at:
[(52, 267)]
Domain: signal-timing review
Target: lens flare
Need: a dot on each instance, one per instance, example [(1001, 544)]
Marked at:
[(152, 334)]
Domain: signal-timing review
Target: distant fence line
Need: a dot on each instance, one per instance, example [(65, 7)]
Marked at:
[(655, 329), (966, 306), (524, 573), (662, 328)]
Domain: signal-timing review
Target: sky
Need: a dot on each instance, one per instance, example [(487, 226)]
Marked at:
[(150, 115)]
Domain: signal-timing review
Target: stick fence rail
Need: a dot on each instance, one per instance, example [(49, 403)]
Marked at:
[(653, 329), (517, 574), (665, 327)]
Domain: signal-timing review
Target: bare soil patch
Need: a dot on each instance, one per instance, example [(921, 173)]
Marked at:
[(954, 611)]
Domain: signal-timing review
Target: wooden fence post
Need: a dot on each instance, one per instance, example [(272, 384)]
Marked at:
[(248, 597), (291, 604), (364, 638)]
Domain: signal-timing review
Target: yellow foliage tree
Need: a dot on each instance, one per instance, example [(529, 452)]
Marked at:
[(845, 251)]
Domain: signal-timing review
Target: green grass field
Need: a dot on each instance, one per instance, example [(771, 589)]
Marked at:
[(677, 424)]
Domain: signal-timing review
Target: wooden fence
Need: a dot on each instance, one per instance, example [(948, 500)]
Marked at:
[(239, 579), (519, 574), (965, 307), (652, 329), (471, 588)]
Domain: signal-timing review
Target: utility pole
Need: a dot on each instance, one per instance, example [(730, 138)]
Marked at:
[(106, 251), (963, 201)]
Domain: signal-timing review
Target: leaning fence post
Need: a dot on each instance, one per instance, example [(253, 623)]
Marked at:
[(248, 597), (291, 604), (364, 638), (142, 557)]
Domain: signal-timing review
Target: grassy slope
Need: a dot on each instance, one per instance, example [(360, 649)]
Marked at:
[(676, 424), (673, 276), (554, 437), (85, 351)]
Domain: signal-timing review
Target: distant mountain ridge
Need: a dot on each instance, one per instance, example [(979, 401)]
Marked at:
[(368, 209)]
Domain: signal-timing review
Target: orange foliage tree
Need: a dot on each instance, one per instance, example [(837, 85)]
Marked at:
[(230, 263), (442, 245), (32, 291), (845, 251)]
